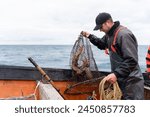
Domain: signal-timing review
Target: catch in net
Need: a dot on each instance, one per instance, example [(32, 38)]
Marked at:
[(82, 61)]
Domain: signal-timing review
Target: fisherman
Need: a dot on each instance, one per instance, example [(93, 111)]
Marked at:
[(148, 62), (123, 51)]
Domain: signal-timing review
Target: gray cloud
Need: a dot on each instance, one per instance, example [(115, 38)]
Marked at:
[(60, 21)]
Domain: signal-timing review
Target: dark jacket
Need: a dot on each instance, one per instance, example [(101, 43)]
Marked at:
[(124, 63)]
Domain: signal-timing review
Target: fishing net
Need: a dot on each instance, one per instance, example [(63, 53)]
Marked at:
[(84, 69), (82, 61)]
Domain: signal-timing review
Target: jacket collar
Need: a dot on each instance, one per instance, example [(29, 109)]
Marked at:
[(113, 28)]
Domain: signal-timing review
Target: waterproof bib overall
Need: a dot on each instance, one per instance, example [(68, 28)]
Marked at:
[(131, 86)]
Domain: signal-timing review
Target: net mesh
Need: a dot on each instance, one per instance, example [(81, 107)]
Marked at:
[(82, 61)]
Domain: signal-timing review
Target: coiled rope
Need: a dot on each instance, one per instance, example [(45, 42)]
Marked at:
[(109, 91)]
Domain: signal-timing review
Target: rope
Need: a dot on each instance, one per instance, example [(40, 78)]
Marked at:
[(35, 90), (109, 91)]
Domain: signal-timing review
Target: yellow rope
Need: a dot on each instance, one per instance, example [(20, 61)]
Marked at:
[(109, 91)]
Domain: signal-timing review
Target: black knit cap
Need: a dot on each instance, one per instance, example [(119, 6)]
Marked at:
[(100, 19)]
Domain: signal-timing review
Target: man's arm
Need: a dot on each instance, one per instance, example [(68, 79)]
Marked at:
[(101, 43)]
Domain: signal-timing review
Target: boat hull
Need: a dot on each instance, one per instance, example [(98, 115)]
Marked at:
[(17, 82), (18, 89)]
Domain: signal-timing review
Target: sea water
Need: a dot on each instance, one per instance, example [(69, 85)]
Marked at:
[(56, 56)]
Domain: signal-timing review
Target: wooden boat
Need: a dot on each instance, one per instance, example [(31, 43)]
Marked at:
[(18, 82)]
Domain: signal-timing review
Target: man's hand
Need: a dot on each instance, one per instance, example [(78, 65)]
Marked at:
[(111, 78), (85, 34)]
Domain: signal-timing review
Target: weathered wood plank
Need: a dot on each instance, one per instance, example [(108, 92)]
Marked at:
[(48, 92)]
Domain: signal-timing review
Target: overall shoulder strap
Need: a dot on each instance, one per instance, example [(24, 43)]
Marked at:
[(115, 38)]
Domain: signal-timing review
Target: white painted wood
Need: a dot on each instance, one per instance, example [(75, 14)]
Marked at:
[(48, 92), (146, 87)]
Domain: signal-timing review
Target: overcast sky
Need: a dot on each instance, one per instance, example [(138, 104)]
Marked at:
[(61, 21)]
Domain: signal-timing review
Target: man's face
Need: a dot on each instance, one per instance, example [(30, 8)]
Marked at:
[(105, 27)]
